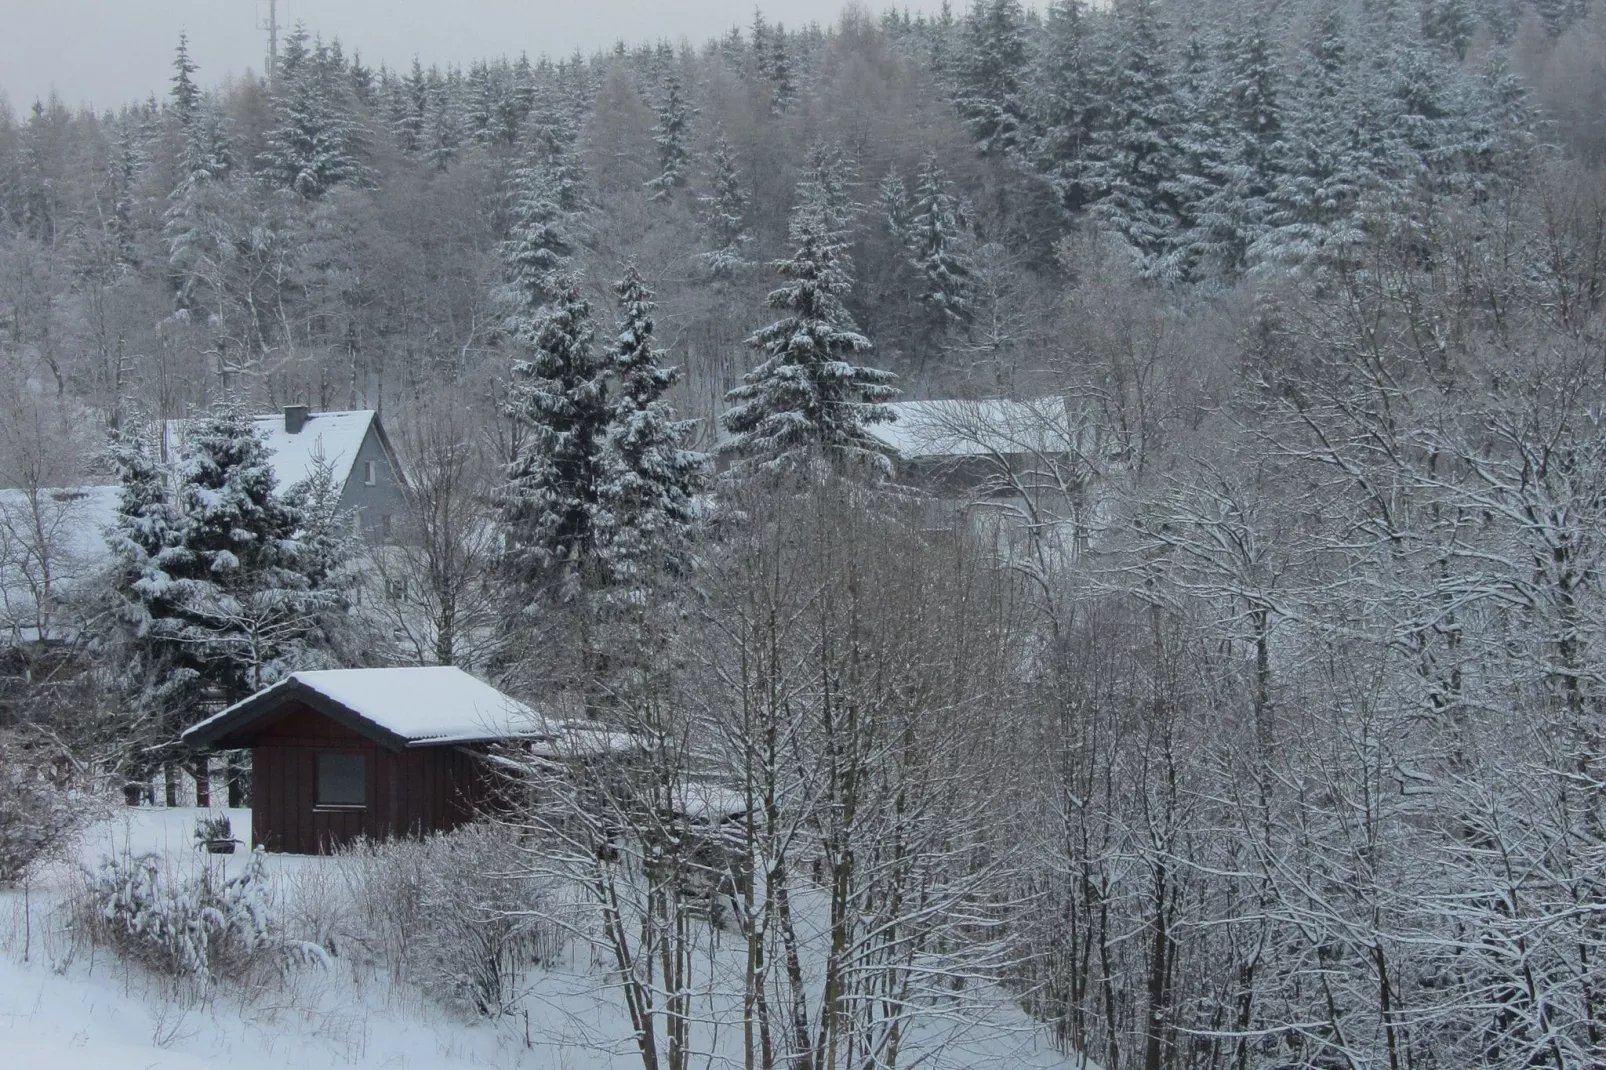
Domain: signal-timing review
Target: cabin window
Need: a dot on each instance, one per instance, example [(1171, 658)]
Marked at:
[(342, 780), (368, 473), (384, 525)]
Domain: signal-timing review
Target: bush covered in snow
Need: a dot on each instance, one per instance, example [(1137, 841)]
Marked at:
[(38, 814), (460, 915), (202, 925)]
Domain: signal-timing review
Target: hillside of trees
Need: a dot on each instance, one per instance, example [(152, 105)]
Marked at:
[(1294, 756)]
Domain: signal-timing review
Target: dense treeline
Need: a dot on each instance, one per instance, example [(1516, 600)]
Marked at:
[(1257, 723)]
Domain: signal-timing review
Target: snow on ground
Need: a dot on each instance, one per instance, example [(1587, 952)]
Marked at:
[(69, 1009)]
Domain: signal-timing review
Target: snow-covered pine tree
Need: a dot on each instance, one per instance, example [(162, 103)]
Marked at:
[(724, 206), (550, 136), (244, 603), (1206, 171), (443, 129), (1228, 153), (1450, 24), (826, 188), (361, 79), (808, 396), (479, 113), (537, 245), (783, 88), (185, 96), (934, 237), (895, 210), (650, 477), (327, 552), (1064, 107), (670, 134), (408, 105), (989, 94), (313, 145), (158, 678), (1133, 168), (1310, 207), (558, 399)]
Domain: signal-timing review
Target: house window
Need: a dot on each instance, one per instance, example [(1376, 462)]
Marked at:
[(384, 525), (369, 473), (342, 780)]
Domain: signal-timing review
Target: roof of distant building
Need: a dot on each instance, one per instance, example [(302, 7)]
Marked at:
[(961, 428)]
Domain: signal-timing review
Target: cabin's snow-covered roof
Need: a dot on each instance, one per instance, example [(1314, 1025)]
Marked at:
[(958, 428), (336, 436), (65, 535), (424, 706)]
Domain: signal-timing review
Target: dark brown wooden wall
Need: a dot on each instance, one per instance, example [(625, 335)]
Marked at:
[(410, 792)]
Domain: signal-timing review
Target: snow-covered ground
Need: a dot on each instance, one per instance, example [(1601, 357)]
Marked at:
[(67, 1010)]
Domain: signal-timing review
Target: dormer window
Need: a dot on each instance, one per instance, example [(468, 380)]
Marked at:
[(369, 473)]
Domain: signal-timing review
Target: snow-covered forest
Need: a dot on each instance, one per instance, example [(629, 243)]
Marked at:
[(1235, 700)]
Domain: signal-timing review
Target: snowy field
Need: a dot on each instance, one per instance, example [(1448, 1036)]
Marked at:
[(67, 1009)]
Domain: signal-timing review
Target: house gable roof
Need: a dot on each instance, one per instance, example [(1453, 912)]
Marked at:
[(399, 708), (335, 436)]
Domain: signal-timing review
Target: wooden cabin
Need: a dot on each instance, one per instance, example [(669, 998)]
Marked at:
[(343, 754)]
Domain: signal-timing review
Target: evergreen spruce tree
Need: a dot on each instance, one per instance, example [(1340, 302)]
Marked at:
[(409, 105), (724, 207), (1229, 154), (552, 510), (650, 477), (934, 237), (670, 134), (443, 132), (247, 608), (826, 189), (313, 146), (158, 680), (895, 209), (808, 396), (185, 95), (783, 89), (1134, 165), (1065, 108), (1320, 174), (1449, 24), (537, 246), (219, 594), (990, 95), (362, 82)]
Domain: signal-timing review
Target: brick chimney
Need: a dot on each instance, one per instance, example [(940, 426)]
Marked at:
[(295, 418)]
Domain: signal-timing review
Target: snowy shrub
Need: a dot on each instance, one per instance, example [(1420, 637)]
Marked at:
[(459, 914), (213, 828), (38, 816), (202, 926)]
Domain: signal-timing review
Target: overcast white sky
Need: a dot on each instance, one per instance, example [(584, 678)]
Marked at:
[(107, 52)]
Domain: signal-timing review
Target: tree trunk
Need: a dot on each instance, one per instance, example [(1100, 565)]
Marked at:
[(236, 778), (202, 772)]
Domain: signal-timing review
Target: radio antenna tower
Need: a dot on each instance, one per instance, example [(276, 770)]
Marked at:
[(271, 24)]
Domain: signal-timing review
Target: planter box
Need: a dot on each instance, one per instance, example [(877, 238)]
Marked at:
[(220, 847)]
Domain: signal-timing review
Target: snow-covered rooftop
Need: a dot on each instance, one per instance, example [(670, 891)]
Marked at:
[(957, 428), (335, 436), (424, 706)]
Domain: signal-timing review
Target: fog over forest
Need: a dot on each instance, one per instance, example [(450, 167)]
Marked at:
[(1117, 491)]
